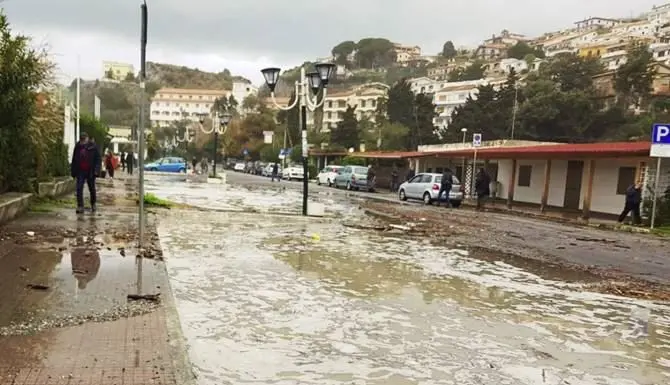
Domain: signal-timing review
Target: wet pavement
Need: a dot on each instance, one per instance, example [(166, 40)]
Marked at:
[(268, 297), (64, 312)]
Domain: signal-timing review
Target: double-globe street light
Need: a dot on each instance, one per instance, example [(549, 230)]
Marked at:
[(316, 82), (219, 126)]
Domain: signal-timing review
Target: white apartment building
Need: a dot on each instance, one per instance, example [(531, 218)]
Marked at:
[(596, 22), (659, 15), (364, 98), (240, 92), (637, 29), (505, 66), (173, 104), (456, 94)]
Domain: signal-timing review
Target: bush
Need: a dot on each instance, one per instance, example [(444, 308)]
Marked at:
[(352, 161), (58, 164), (662, 209)]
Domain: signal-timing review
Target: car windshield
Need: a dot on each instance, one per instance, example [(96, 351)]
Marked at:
[(360, 170), (454, 180)]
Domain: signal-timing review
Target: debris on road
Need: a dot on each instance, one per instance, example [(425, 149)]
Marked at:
[(144, 297), (37, 287)]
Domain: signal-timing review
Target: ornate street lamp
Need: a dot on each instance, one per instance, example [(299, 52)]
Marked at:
[(315, 81), (219, 126)]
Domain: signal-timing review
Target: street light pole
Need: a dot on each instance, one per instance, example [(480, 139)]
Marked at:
[(315, 81), (219, 126), (140, 135)]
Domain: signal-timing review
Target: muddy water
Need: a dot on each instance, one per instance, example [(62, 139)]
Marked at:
[(280, 299)]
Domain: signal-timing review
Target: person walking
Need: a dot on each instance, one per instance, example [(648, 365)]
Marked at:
[(394, 178), (632, 203), (445, 187), (371, 178), (109, 164), (130, 162), (85, 167), (482, 188), (195, 164), (123, 160), (275, 172)]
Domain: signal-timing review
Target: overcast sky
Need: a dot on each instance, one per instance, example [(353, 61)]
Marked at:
[(247, 35)]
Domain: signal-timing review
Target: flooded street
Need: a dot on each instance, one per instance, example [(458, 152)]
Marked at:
[(269, 297)]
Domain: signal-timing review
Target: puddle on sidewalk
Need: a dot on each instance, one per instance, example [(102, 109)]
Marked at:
[(264, 299), (72, 280)]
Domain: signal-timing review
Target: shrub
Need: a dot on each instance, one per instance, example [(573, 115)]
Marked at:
[(662, 209), (352, 161)]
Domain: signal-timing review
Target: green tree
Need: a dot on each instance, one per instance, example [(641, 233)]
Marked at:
[(448, 50), (400, 104), (521, 49), (394, 137), (342, 51), (95, 129), (474, 71), (130, 77), (415, 112), (346, 133), (24, 70), (251, 103), (633, 80), (374, 53), (109, 74), (571, 72)]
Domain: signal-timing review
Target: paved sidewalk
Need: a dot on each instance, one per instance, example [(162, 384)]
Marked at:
[(75, 325)]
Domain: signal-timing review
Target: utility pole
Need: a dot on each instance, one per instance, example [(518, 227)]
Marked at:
[(77, 129)]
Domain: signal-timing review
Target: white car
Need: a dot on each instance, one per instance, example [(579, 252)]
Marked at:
[(426, 186), (292, 172), (328, 174), (239, 167)]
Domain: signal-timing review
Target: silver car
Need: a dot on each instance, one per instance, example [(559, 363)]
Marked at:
[(426, 187)]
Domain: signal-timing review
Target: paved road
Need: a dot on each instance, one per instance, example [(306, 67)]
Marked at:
[(268, 298)]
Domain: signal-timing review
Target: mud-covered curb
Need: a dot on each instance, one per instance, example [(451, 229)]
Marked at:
[(593, 278)]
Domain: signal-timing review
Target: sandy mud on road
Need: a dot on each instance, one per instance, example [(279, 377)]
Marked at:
[(625, 264)]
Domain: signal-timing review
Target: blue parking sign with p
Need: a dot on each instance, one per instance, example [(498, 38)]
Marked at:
[(660, 134)]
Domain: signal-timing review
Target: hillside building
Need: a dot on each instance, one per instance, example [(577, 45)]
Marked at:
[(118, 71)]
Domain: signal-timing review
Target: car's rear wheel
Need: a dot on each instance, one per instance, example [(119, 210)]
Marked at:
[(182, 170), (402, 196), (427, 199), (153, 169)]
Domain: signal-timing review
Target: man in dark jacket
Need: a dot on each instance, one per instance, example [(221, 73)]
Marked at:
[(275, 172), (130, 162), (410, 174), (85, 167), (482, 187), (445, 186), (633, 201)]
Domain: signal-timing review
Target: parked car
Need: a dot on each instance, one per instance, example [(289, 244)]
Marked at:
[(328, 174), (239, 167), (293, 172), (426, 186), (249, 168), (169, 164), (267, 171), (353, 178), (260, 166)]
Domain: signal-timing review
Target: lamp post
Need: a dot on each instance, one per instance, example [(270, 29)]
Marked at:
[(314, 81), (219, 126), (464, 131)]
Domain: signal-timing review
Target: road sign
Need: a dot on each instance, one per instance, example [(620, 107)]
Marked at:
[(476, 140), (660, 141), (267, 137)]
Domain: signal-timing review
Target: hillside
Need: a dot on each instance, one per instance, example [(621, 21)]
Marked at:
[(119, 99), (169, 75)]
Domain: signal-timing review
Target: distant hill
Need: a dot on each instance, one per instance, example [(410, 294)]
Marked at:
[(169, 75), (118, 100)]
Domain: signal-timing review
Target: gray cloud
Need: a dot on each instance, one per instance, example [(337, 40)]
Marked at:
[(293, 30)]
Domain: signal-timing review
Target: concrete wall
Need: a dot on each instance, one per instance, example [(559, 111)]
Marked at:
[(605, 180)]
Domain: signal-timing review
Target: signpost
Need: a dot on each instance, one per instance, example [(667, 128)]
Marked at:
[(476, 143), (660, 148)]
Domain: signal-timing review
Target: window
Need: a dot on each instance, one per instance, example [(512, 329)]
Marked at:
[(524, 175), (200, 97), (426, 178), (341, 104), (362, 103), (329, 115), (416, 179), (330, 104), (626, 178)]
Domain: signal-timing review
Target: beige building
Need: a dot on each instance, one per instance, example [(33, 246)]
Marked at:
[(173, 104), (364, 98), (118, 71), (406, 53)]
